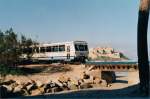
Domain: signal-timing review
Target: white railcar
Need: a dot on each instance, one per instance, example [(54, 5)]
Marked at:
[(63, 51)]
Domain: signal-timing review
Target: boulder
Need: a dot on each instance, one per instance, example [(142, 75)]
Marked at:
[(80, 82), (19, 82), (39, 84), (48, 90), (65, 88), (85, 86), (63, 79), (24, 92), (18, 89), (59, 84), (84, 76), (96, 80), (56, 89), (26, 84), (13, 85), (42, 89), (8, 82), (31, 87), (88, 81), (3, 92), (73, 87), (9, 88), (103, 83), (74, 81), (36, 92), (47, 87)]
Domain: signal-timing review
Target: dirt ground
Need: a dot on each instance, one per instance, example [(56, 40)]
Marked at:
[(45, 73), (48, 73)]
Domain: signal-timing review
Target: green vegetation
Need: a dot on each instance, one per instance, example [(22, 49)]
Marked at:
[(4, 70), (10, 50), (123, 56)]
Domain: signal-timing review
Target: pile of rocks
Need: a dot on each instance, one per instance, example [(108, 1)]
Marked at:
[(62, 83), (15, 88)]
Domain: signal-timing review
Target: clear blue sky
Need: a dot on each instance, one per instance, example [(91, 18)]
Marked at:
[(99, 22)]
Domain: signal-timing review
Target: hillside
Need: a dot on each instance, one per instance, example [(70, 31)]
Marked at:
[(106, 54)]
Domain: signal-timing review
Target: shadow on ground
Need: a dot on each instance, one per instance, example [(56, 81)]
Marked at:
[(45, 69), (128, 92)]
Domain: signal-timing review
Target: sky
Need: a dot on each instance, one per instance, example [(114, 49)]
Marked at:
[(104, 23)]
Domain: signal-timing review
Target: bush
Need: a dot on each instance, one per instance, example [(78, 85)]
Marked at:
[(5, 70)]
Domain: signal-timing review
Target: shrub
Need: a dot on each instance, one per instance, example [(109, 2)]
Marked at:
[(5, 70)]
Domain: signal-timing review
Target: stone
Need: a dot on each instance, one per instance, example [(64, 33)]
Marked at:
[(73, 87), (42, 89), (96, 80), (39, 84), (47, 87), (26, 84), (31, 87), (19, 82), (88, 81), (18, 89), (74, 81), (85, 76), (63, 79), (36, 92), (53, 84), (48, 90), (25, 92), (103, 83), (59, 84), (3, 92), (13, 85), (85, 86), (80, 81), (55, 89), (9, 88), (65, 88), (8, 82), (90, 68)]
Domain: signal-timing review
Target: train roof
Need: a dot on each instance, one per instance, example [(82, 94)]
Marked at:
[(58, 43)]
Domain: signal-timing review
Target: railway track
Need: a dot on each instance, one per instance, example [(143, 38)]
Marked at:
[(112, 66)]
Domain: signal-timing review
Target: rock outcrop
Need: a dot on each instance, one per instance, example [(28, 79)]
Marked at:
[(105, 54)]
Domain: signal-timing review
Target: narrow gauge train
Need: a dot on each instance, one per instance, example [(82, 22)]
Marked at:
[(74, 51)]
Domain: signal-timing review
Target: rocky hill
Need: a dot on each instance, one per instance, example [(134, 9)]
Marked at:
[(106, 54)]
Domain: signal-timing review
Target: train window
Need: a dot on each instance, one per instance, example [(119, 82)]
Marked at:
[(61, 48), (37, 49), (42, 49), (55, 48), (81, 47), (49, 49), (52, 48), (86, 47), (77, 47)]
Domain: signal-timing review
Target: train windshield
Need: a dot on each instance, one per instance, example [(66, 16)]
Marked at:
[(81, 47)]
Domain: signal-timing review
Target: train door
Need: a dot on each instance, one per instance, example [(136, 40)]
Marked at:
[(68, 52)]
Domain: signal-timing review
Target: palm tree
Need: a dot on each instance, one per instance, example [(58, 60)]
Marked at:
[(142, 46)]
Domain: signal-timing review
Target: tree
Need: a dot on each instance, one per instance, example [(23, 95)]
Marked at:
[(142, 45), (26, 43)]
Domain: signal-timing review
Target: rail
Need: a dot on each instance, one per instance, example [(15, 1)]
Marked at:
[(112, 66)]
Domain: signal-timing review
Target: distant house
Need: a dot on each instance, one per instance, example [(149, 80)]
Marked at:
[(94, 53)]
